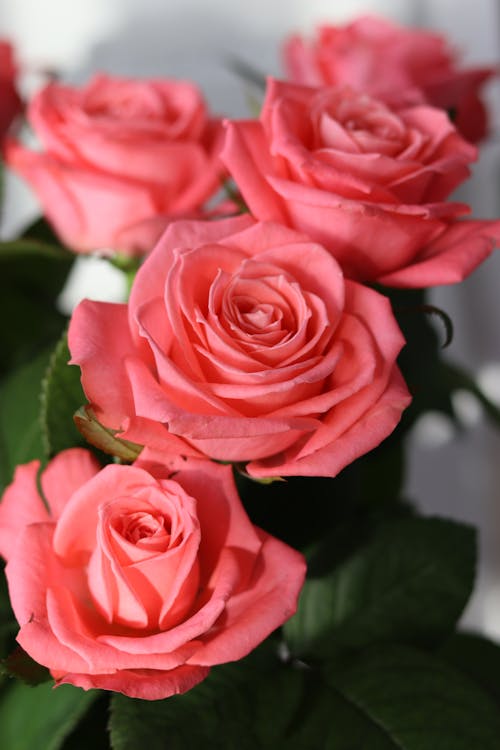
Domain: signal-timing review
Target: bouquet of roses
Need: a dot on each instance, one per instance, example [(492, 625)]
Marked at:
[(181, 466)]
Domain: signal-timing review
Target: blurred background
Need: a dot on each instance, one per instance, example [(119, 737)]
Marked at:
[(452, 473)]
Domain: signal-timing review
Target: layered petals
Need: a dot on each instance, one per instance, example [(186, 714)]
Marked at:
[(243, 343), (396, 64), (121, 159), (368, 181), (132, 581)]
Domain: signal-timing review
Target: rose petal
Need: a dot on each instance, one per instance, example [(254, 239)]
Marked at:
[(21, 505), (143, 684), (64, 475), (268, 600), (101, 357), (450, 258)]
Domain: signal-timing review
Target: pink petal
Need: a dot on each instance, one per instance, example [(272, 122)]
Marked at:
[(450, 258), (145, 684), (68, 623), (246, 155), (223, 520), (21, 505), (99, 341), (65, 474), (269, 599), (221, 587), (76, 529), (149, 283), (362, 436)]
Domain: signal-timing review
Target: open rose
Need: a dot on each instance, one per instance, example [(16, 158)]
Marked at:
[(368, 182), (242, 342), (134, 582), (121, 158), (392, 63), (10, 103)]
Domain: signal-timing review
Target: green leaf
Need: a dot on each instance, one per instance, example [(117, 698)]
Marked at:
[(61, 396), (40, 717), (477, 657), (20, 664), (410, 701), (9, 626), (328, 721), (42, 231), (20, 430), (91, 733), (33, 273), (421, 358), (241, 706), (29, 247), (410, 583)]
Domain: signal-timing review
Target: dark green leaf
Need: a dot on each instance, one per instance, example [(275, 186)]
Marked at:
[(476, 657), (42, 231), (420, 360), (19, 664), (327, 720), (61, 396), (242, 706), (29, 248), (8, 623), (431, 379), (91, 733), (32, 274), (20, 430), (414, 701), (40, 717), (410, 583), (345, 508)]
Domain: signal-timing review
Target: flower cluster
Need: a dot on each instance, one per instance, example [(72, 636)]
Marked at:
[(254, 342)]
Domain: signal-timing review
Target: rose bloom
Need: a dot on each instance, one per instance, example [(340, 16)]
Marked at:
[(10, 103), (134, 582), (243, 343), (368, 182), (120, 159), (392, 63)]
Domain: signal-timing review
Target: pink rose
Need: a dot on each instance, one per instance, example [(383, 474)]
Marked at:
[(368, 182), (10, 103), (395, 64), (242, 342), (134, 582), (121, 158)]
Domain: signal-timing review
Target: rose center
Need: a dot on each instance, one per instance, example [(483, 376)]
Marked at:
[(142, 528), (256, 314)]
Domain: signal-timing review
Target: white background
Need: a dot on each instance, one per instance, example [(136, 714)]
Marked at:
[(454, 475)]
